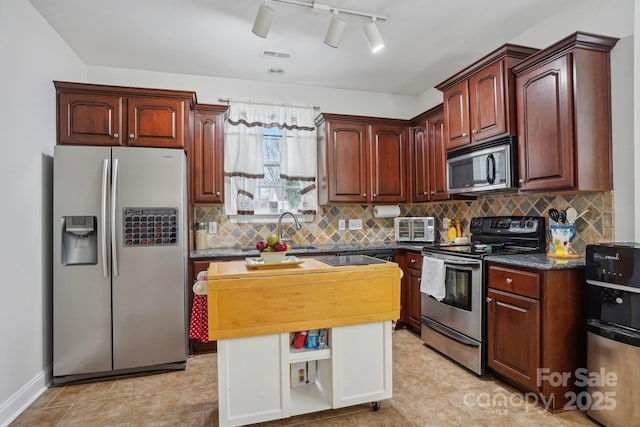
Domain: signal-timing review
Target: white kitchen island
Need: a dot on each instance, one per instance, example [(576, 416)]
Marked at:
[(252, 312)]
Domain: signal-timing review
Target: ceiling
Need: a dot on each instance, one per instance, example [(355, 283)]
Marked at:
[(426, 40)]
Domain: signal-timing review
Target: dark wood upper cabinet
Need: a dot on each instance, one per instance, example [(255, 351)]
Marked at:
[(361, 159), (479, 101), (389, 148), (113, 115), (427, 171), (564, 115), (208, 154)]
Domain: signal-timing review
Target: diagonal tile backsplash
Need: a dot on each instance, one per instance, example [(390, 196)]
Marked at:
[(595, 226)]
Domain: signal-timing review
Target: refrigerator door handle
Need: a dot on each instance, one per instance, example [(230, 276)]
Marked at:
[(114, 245), (103, 222)]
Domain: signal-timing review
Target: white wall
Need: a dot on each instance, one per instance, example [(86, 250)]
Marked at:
[(32, 56), (636, 127), (209, 89)]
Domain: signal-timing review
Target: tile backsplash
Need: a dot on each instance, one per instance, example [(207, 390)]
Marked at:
[(595, 226)]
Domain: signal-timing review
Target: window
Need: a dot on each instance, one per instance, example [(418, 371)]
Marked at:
[(275, 195), (269, 161)]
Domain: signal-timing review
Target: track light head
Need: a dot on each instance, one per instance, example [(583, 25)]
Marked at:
[(334, 33), (263, 20), (374, 38)]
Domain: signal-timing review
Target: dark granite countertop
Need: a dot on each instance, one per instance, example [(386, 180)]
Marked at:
[(213, 253), (537, 261)]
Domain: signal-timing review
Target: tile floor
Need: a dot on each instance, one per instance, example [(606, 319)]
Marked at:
[(429, 390)]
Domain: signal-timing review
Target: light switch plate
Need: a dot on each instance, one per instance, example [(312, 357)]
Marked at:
[(355, 224), (341, 225), (213, 227)]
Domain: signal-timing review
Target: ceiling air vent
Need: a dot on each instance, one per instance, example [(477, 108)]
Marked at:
[(274, 54)]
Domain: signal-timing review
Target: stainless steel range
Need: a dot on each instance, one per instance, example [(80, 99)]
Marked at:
[(453, 290)]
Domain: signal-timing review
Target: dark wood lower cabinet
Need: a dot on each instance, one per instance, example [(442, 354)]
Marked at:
[(536, 330), (411, 265), (514, 328)]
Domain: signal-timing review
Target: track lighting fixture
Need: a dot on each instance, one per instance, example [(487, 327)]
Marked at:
[(374, 38), (336, 27), (263, 20), (334, 33)]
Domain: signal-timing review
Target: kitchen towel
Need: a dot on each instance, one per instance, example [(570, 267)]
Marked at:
[(386, 211), (199, 325), (432, 280)]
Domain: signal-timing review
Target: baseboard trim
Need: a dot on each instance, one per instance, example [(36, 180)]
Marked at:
[(25, 396)]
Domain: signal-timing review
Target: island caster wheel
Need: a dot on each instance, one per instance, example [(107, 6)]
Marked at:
[(375, 406)]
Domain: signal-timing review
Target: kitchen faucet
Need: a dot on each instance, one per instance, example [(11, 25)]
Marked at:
[(298, 225)]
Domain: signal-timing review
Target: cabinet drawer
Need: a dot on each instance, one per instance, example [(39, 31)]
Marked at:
[(414, 260), (515, 281)]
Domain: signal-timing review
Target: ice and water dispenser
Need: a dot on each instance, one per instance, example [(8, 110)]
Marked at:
[(79, 240)]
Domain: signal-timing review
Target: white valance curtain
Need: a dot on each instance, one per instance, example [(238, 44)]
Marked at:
[(243, 154)]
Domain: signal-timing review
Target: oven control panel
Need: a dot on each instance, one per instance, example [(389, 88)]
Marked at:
[(507, 225)]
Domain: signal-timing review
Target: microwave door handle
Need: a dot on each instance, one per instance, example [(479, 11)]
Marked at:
[(491, 166)]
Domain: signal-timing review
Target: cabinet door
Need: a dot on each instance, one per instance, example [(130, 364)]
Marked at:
[(208, 158), (197, 346), (388, 164), (346, 161), (545, 126), (513, 337), (420, 171), (437, 158), (456, 113), (415, 308), (361, 356), (253, 379), (89, 119), (157, 122), (487, 102)]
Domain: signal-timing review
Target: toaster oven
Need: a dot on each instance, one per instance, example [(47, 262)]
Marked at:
[(414, 229)]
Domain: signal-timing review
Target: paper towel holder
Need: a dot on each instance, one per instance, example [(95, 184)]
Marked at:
[(386, 211)]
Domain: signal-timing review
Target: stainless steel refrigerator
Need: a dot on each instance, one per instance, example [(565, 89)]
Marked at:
[(120, 261)]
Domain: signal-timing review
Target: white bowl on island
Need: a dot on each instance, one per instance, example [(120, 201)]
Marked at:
[(271, 257)]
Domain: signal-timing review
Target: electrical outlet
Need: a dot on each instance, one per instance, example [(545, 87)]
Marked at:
[(445, 222), (341, 225), (355, 224), (213, 227)]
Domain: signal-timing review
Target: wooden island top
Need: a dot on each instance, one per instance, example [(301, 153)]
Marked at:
[(245, 301)]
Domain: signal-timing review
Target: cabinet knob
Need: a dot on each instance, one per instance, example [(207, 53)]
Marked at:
[(115, 135), (364, 194), (464, 134), (474, 131), (375, 195), (509, 280), (521, 180), (413, 261), (433, 192), (131, 135), (217, 193), (424, 193), (488, 299)]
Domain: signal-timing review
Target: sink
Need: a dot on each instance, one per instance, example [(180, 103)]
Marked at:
[(293, 248)]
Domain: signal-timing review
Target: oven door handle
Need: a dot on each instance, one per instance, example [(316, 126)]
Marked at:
[(449, 261), (456, 336)]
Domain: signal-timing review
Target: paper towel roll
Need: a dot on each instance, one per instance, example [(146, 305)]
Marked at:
[(386, 211)]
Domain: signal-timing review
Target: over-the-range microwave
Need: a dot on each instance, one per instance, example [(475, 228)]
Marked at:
[(483, 167), (414, 229)]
